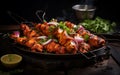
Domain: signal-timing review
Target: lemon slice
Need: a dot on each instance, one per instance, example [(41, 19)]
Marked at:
[(11, 60)]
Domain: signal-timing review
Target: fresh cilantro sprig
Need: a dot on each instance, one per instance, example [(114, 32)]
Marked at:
[(99, 25)]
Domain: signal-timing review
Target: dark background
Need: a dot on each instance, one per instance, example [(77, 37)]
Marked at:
[(108, 9)]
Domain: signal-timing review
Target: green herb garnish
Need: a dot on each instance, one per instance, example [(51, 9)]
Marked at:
[(42, 41), (51, 28), (99, 25), (64, 27), (86, 37)]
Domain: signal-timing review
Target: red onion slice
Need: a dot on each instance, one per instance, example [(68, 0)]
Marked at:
[(80, 28), (78, 39), (16, 33), (75, 44)]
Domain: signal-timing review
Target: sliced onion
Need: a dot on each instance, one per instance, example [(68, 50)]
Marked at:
[(42, 37), (60, 30), (16, 33), (80, 28), (75, 26), (53, 23), (47, 42), (78, 39), (75, 43)]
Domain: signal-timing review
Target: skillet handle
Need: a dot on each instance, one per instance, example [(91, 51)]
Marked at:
[(89, 55)]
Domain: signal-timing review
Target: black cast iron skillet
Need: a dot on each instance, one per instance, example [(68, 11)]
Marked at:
[(89, 55), (23, 50)]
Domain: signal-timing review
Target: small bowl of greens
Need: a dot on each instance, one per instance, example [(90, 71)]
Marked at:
[(99, 25), (11, 60)]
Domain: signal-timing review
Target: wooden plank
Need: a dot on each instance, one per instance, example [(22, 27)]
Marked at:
[(9, 27), (115, 52)]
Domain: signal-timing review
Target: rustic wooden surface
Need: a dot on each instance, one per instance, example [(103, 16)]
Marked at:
[(107, 67)]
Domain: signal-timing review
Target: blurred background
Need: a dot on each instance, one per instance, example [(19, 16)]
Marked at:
[(60, 9)]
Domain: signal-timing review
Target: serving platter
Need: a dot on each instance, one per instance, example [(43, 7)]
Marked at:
[(26, 51), (76, 42)]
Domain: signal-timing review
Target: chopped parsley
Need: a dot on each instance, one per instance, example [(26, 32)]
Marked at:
[(63, 26), (98, 25)]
